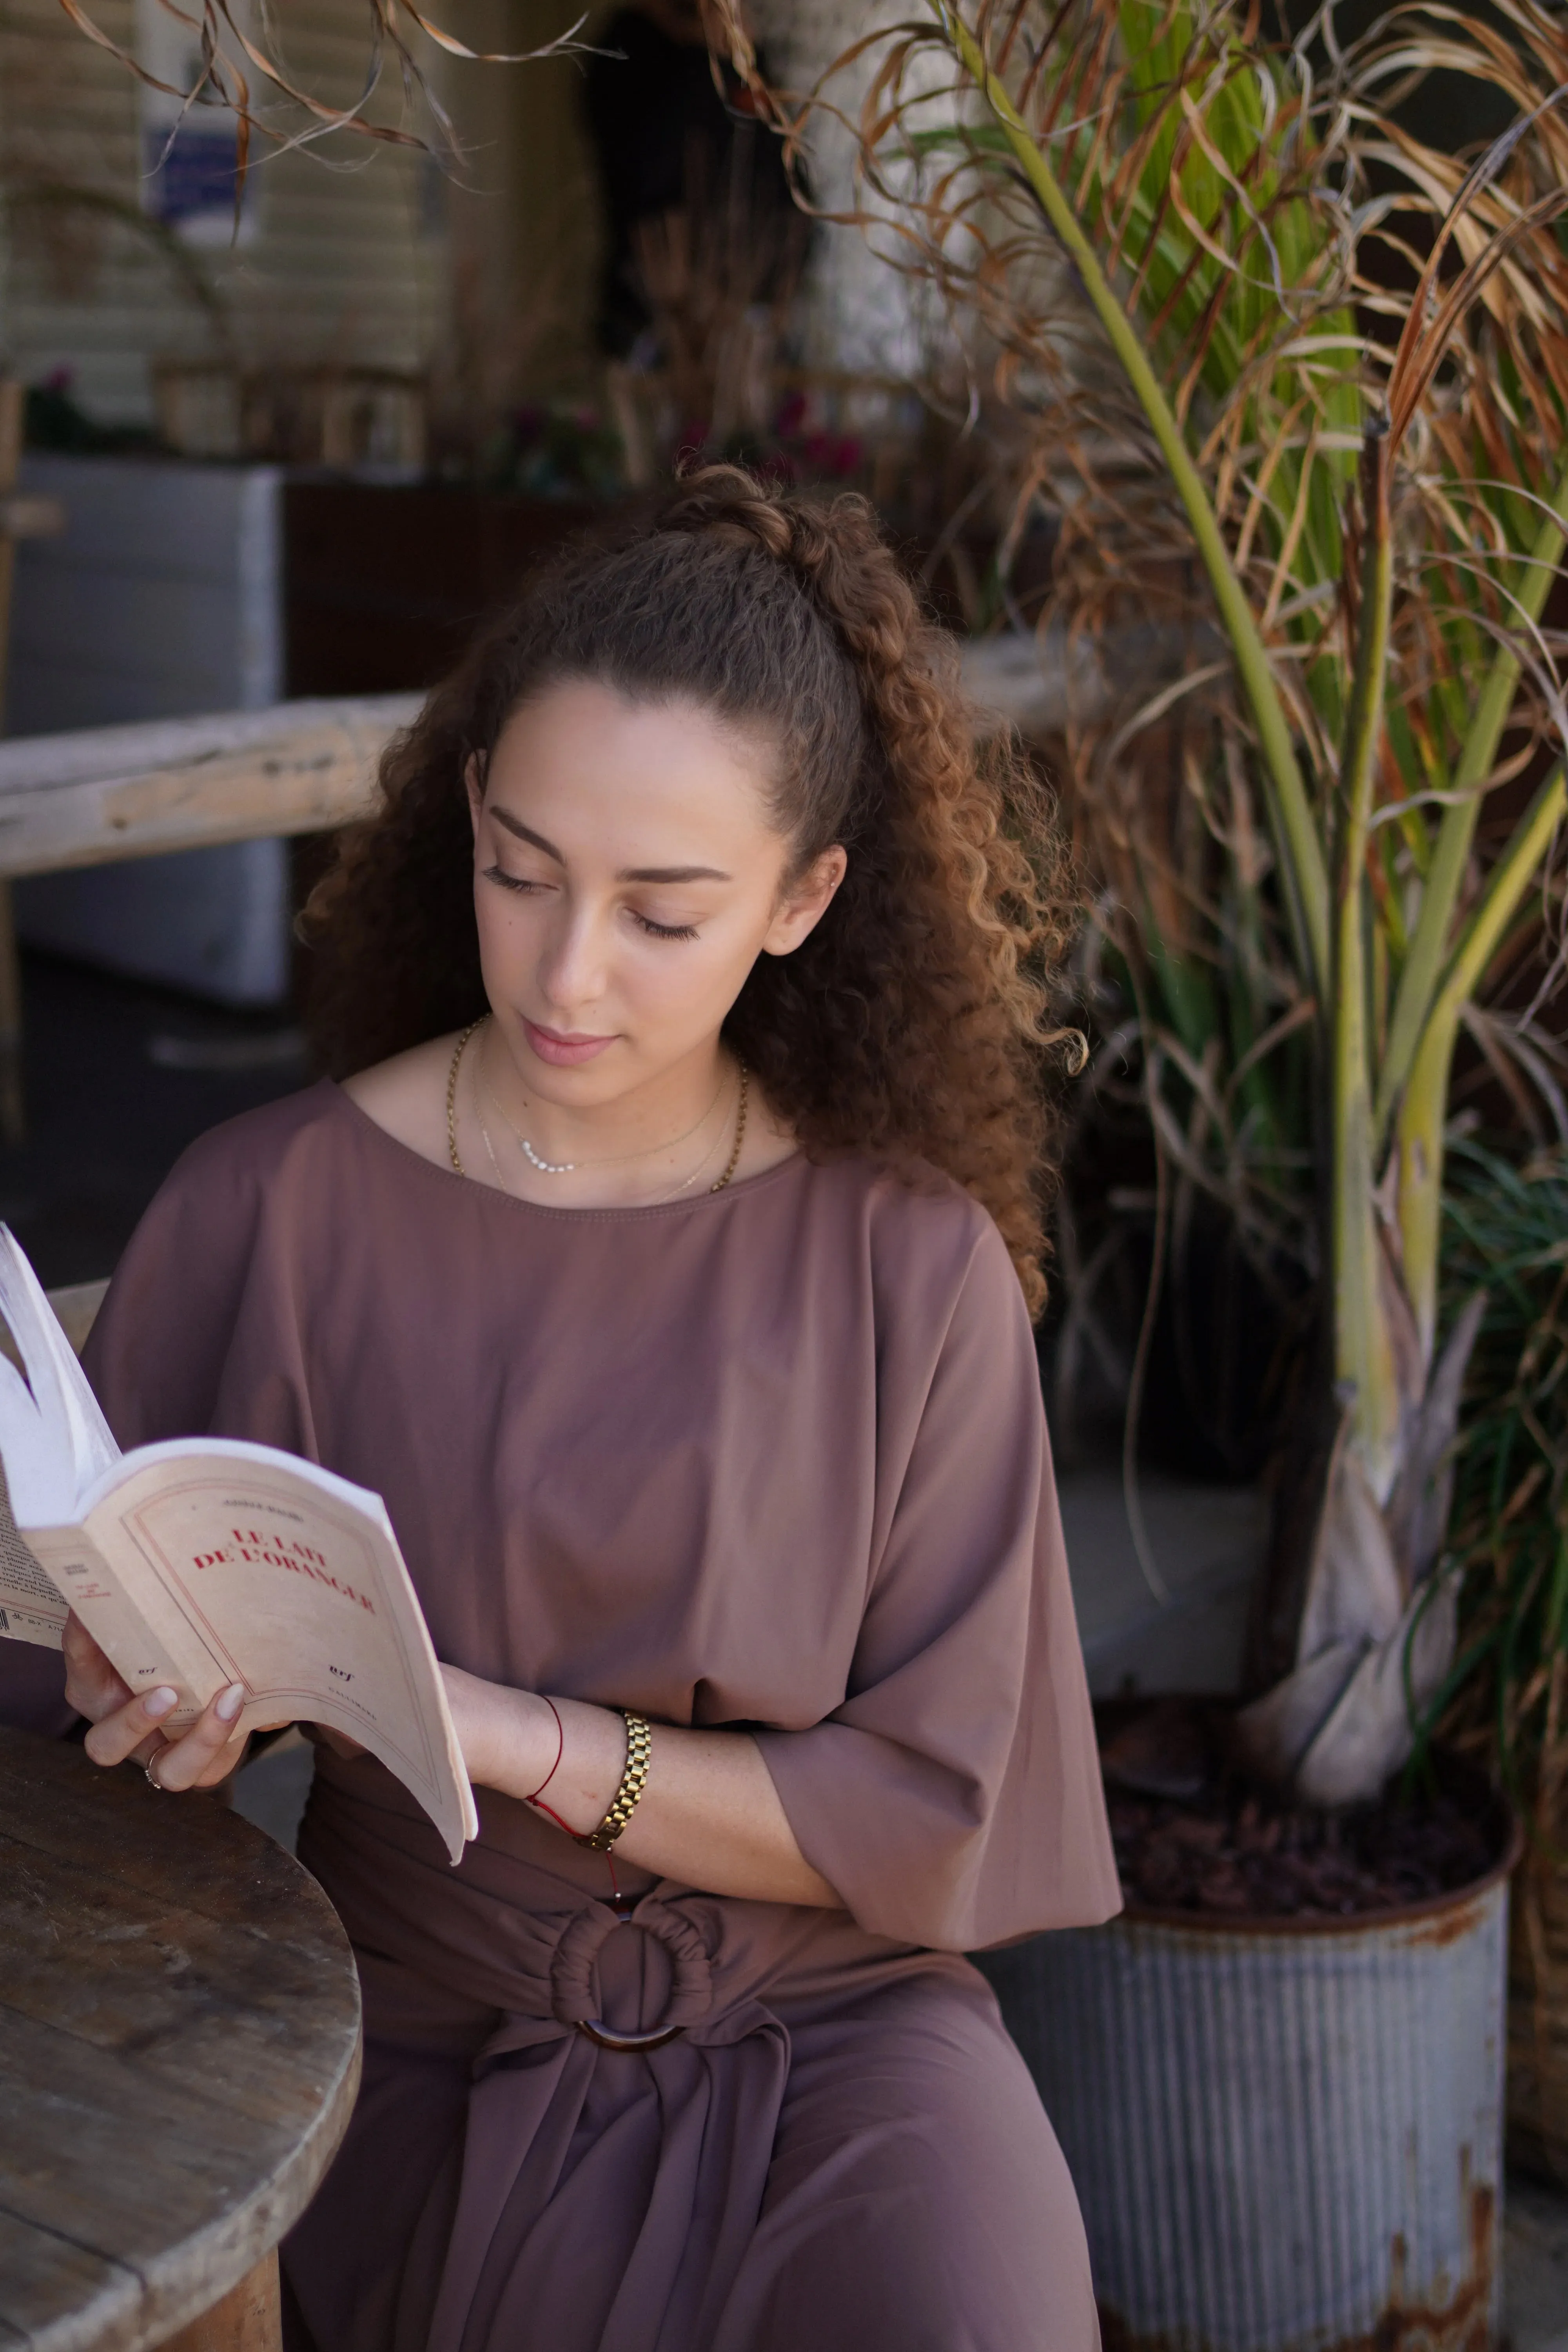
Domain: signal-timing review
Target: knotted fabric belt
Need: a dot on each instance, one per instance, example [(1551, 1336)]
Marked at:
[(522, 1926), (693, 2121), (571, 1973), (654, 2062)]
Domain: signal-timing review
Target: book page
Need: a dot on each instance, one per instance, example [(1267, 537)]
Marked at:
[(53, 1436), (208, 1561), (205, 1561), (53, 1442), (31, 1607)]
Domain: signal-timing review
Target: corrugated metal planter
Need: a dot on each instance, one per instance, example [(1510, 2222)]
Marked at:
[(1287, 2136)]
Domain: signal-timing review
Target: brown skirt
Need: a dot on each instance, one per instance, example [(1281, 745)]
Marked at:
[(836, 2149)]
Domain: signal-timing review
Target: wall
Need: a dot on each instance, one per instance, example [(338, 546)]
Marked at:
[(343, 264), (859, 314), (370, 254), (163, 596), (522, 212)]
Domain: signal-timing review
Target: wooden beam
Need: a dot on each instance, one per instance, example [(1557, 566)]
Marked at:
[(1037, 684), (112, 793), (306, 767)]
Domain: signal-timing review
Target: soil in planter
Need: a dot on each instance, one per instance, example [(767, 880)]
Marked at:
[(1191, 1835)]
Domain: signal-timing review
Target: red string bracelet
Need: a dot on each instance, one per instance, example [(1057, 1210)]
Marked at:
[(549, 1811), (560, 1751)]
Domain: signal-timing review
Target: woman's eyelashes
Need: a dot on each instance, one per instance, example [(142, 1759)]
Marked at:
[(523, 883), (663, 930), (511, 881)]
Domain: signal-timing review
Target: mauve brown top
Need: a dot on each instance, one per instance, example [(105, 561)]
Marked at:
[(771, 1457)]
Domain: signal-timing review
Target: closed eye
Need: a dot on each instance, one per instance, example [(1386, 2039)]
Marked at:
[(664, 931), (521, 882)]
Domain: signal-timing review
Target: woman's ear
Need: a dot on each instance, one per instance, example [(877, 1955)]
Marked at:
[(474, 784), (803, 905)]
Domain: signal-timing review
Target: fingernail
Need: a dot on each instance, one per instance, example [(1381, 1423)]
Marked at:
[(231, 1702), (158, 1702)]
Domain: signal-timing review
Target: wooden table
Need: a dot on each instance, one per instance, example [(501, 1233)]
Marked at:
[(179, 2053)]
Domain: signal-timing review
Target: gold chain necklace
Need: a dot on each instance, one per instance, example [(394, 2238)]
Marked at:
[(574, 1167), (686, 1187), (456, 1159)]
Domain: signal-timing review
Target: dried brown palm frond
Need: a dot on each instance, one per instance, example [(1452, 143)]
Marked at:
[(240, 66), (1295, 385), (718, 273)]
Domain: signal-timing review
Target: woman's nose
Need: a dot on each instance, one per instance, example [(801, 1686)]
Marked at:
[(572, 970)]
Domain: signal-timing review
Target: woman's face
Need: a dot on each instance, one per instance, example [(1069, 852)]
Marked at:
[(627, 878)]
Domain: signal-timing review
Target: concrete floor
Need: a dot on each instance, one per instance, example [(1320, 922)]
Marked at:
[(1535, 2267)]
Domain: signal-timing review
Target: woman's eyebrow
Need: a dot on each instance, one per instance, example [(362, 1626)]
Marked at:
[(671, 874), (526, 832), (628, 873)]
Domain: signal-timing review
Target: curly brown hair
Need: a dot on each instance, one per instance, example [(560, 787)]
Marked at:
[(910, 1025)]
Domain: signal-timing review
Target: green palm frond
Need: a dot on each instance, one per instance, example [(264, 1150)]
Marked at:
[(1294, 385)]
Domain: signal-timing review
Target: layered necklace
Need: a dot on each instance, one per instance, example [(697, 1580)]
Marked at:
[(571, 1167)]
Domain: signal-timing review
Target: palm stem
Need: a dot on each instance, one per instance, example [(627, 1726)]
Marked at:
[(1424, 1106), (1363, 1351), (1296, 837), (1440, 893)]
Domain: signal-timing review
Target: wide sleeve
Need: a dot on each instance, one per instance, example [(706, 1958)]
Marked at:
[(160, 1353), (954, 1798)]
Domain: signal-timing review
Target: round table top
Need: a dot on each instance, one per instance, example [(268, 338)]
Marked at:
[(179, 2051)]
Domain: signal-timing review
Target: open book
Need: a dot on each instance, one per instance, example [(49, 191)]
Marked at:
[(206, 1561)]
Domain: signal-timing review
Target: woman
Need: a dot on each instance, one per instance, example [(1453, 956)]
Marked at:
[(667, 1266)]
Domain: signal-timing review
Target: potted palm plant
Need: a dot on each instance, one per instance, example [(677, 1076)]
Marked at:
[(1294, 380)]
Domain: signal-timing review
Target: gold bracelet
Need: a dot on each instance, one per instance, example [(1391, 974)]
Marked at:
[(634, 1781)]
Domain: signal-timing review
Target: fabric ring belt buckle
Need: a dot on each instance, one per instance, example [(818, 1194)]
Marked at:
[(607, 2037), (593, 2028), (690, 1991)]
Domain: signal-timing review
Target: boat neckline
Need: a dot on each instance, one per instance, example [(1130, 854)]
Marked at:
[(471, 1184)]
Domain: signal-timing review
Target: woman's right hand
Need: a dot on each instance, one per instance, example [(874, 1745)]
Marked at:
[(126, 1725)]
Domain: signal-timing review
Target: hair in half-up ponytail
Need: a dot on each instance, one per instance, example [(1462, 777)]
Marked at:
[(911, 1024)]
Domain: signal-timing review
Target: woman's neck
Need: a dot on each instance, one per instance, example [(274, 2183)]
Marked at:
[(407, 1098), (653, 1136)]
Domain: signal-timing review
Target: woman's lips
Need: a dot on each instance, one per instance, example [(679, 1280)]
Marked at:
[(562, 1052)]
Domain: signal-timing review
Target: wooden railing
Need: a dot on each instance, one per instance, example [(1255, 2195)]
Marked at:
[(112, 793)]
